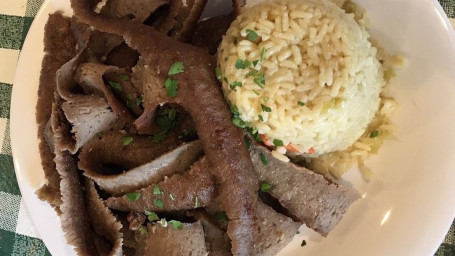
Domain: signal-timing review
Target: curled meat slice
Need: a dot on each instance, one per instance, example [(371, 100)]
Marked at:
[(200, 94), (172, 162), (308, 196), (103, 221), (193, 189), (88, 116)]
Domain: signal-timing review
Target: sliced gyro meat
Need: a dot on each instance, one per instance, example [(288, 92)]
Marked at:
[(74, 217), (138, 10), (59, 48), (173, 162), (217, 241), (199, 93), (102, 220), (88, 116), (183, 239), (312, 199), (90, 77), (193, 189)]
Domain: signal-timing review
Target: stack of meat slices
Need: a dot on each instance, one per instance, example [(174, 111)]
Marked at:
[(136, 169)]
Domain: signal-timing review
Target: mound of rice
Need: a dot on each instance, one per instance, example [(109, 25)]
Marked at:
[(303, 73)]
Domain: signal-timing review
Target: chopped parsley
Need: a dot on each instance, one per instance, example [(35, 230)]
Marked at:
[(134, 196), (176, 68), (238, 122), (248, 143), (172, 87), (116, 86), (143, 230), (172, 197), (260, 80), (221, 216), (242, 64), (256, 92), (374, 134), (176, 224), (124, 77), (278, 143), (157, 191), (139, 100), (254, 133), (265, 187), (196, 202), (218, 73), (265, 108), (151, 216), (100, 134), (129, 97), (158, 203), (165, 121), (300, 103), (251, 73), (264, 159), (255, 62), (266, 99), (261, 118), (263, 55), (303, 243), (159, 136), (252, 35), (235, 84), (127, 140)]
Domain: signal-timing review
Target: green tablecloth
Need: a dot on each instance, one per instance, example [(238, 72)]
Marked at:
[(17, 235)]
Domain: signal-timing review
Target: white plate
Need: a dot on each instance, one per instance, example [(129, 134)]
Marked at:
[(410, 204)]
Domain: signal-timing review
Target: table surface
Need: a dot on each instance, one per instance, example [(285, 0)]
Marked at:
[(17, 235)]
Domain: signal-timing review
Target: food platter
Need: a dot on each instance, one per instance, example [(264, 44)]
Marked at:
[(407, 207)]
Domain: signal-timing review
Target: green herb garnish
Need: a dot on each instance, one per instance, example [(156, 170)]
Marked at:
[(176, 224), (260, 80), (151, 216), (124, 77), (172, 87), (196, 202), (134, 196), (255, 62), (218, 73), (251, 73), (115, 85), (235, 84), (157, 191), (278, 143), (263, 55), (158, 203), (264, 159), (159, 136), (127, 140), (303, 243), (252, 35), (176, 68), (261, 118), (248, 143), (100, 135), (266, 99), (256, 92), (143, 230), (242, 64), (172, 197), (374, 134), (265, 187), (265, 108), (238, 122), (139, 100), (300, 103)]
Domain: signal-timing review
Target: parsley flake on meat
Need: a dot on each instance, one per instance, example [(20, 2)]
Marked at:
[(127, 140), (264, 159), (116, 86), (157, 191), (143, 230), (265, 187), (176, 224), (134, 196), (124, 77), (158, 203), (176, 68), (151, 216), (172, 87)]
